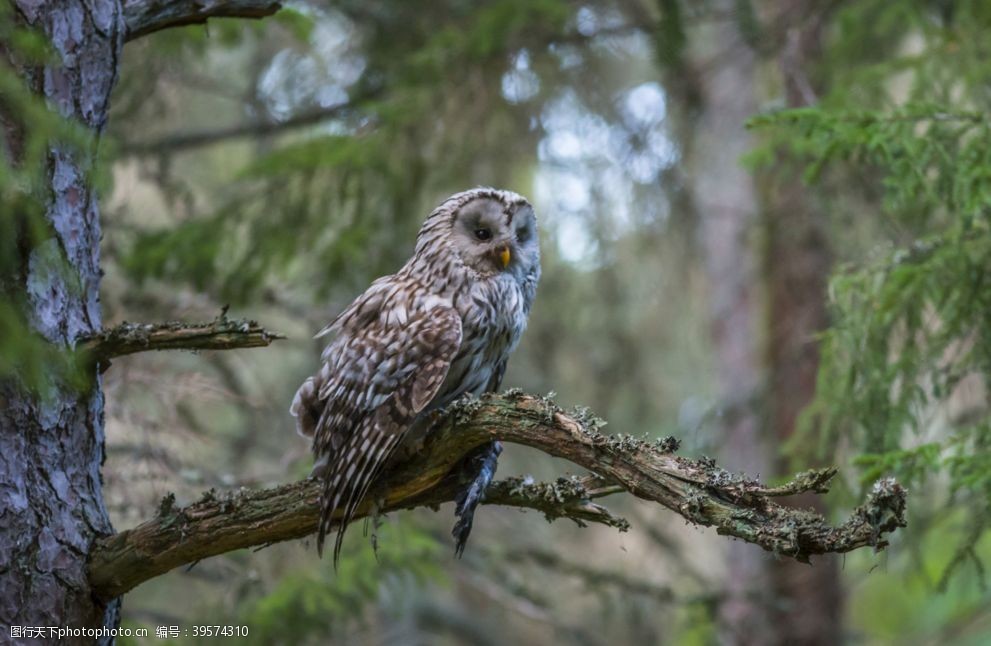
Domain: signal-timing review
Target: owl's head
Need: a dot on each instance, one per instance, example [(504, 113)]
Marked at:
[(492, 231)]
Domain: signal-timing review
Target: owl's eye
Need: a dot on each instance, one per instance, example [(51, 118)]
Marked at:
[(483, 234), (523, 234)]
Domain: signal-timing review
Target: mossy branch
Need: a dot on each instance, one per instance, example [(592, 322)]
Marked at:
[(220, 334), (148, 16), (698, 490)]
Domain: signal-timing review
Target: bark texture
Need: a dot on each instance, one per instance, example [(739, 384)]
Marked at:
[(51, 447), (698, 490)]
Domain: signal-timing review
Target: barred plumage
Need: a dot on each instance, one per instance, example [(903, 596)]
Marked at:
[(441, 327)]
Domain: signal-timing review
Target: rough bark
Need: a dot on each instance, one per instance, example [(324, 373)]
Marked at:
[(148, 16), (698, 490), (51, 446)]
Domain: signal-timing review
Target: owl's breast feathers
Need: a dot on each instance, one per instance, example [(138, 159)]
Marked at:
[(493, 314)]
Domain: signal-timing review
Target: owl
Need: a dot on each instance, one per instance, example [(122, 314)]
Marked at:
[(442, 327)]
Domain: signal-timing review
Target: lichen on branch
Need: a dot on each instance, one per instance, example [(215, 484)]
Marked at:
[(220, 334), (696, 489)]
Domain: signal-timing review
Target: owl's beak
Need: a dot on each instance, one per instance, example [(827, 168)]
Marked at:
[(504, 256)]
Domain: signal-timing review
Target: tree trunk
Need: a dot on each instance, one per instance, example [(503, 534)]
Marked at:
[(809, 598), (797, 261), (726, 200), (782, 304), (51, 446)]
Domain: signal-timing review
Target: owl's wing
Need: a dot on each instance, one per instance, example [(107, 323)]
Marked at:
[(376, 383), (366, 308)]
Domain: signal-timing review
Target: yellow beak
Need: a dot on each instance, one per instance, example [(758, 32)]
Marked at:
[(504, 257)]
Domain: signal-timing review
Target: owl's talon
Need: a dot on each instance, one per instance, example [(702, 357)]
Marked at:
[(481, 467)]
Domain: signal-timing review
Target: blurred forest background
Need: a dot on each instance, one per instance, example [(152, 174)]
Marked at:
[(765, 231)]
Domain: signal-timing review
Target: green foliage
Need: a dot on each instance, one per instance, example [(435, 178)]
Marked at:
[(320, 200), (908, 330), (906, 363), (896, 600), (305, 201), (325, 603), (970, 464), (908, 465), (934, 162), (36, 364), (26, 236), (490, 31), (669, 36), (185, 253), (299, 24)]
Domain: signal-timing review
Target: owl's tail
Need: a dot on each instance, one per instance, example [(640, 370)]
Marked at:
[(348, 478)]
